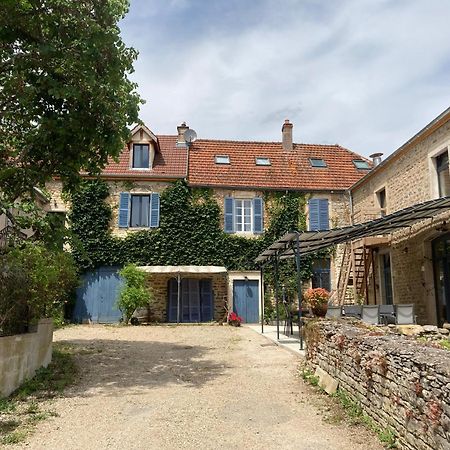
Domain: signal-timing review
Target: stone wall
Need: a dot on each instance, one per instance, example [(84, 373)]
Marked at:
[(21, 355), (399, 382), (159, 284)]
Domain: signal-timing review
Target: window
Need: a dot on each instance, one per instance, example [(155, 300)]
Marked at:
[(317, 162), (361, 164), (260, 161), (386, 279), (141, 156), (443, 174), (321, 274), (318, 214), (381, 197), (138, 210), (244, 215), (222, 159)]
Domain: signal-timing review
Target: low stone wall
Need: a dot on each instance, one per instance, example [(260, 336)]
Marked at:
[(22, 354), (399, 382)]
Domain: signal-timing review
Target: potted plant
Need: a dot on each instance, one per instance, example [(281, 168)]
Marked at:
[(317, 300), (234, 319)]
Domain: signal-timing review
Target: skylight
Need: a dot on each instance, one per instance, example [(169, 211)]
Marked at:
[(222, 159), (361, 164), (262, 161), (317, 162)]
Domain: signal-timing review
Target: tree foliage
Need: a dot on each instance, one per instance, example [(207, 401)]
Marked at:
[(34, 283), (65, 100), (135, 294)]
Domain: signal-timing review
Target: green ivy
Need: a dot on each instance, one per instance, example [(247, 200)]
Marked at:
[(190, 231)]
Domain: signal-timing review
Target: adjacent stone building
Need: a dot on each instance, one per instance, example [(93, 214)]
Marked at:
[(413, 266)]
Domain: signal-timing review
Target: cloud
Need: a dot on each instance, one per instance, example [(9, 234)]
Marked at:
[(367, 74)]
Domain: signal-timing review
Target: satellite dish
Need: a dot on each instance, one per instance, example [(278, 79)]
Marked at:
[(190, 136)]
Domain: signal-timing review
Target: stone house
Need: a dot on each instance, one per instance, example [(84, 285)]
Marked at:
[(240, 174), (413, 265)]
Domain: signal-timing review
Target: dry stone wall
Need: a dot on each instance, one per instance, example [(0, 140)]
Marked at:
[(399, 382)]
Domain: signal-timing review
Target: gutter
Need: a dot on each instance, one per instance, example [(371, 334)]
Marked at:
[(265, 188)]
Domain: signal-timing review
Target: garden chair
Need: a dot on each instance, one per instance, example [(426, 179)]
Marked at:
[(370, 314), (333, 312), (405, 314), (387, 314), (352, 311)]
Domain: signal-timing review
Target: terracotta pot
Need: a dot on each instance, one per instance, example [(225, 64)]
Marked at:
[(320, 310)]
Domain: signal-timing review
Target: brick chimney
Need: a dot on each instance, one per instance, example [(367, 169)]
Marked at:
[(286, 132), (181, 142)]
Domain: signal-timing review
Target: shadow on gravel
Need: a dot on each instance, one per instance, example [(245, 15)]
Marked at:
[(106, 366)]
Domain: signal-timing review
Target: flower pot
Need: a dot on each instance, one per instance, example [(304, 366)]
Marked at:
[(320, 310)]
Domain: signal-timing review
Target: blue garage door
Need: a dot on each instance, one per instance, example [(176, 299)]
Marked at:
[(246, 300), (97, 296)]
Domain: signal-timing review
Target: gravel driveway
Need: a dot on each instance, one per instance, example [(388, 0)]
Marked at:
[(202, 387)]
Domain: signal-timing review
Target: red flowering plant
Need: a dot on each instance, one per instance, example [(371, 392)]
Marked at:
[(317, 300), (234, 319)]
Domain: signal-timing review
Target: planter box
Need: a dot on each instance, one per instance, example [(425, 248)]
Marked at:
[(22, 354)]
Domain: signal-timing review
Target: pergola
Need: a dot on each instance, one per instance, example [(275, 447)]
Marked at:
[(296, 244)]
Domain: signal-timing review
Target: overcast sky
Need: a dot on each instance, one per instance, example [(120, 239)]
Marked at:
[(366, 74)]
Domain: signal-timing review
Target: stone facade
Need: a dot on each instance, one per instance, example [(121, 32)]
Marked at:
[(159, 284), (21, 355), (399, 383), (408, 177)]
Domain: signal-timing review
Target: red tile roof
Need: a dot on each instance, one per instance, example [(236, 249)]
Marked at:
[(170, 162), (288, 169)]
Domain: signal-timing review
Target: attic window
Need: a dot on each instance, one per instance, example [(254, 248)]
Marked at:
[(141, 156), (261, 161), (317, 162), (222, 159), (361, 164)]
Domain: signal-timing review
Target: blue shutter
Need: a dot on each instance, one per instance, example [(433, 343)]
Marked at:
[(324, 222), (124, 210), (258, 215), (154, 210), (314, 223), (229, 215)]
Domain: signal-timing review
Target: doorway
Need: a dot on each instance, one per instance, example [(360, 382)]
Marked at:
[(441, 269)]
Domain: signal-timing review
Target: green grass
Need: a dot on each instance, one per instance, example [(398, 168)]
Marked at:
[(309, 377), (444, 343), (25, 407)]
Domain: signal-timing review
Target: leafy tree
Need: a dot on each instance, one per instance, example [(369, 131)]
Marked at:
[(65, 99), (135, 294)]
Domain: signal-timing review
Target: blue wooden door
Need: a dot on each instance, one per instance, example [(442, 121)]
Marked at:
[(246, 300), (97, 296)]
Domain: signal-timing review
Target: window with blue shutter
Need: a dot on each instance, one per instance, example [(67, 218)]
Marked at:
[(124, 208), (318, 214), (138, 210), (258, 215), (154, 210), (229, 215)]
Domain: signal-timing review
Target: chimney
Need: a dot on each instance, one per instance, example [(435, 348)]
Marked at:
[(286, 132), (376, 158), (181, 142)]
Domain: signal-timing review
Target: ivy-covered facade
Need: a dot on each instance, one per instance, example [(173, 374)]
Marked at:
[(150, 208)]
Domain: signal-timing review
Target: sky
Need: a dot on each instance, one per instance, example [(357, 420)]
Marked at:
[(365, 74)]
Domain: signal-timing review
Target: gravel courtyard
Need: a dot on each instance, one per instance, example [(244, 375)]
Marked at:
[(205, 387)]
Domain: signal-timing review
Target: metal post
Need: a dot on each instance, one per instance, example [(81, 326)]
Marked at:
[(261, 293), (276, 297), (299, 290), (178, 297)]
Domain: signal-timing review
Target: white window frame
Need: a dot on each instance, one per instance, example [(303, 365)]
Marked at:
[(150, 156), (235, 213), (432, 166)]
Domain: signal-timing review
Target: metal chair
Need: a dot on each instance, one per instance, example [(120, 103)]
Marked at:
[(352, 311), (370, 314), (405, 314), (387, 314), (333, 312)]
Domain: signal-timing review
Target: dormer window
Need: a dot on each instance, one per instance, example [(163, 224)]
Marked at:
[(317, 162), (262, 161), (361, 164), (141, 156), (222, 159)]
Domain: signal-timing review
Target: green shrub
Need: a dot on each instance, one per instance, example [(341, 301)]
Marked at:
[(34, 283), (135, 294)]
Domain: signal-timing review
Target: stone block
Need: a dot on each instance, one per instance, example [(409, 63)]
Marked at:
[(326, 381)]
